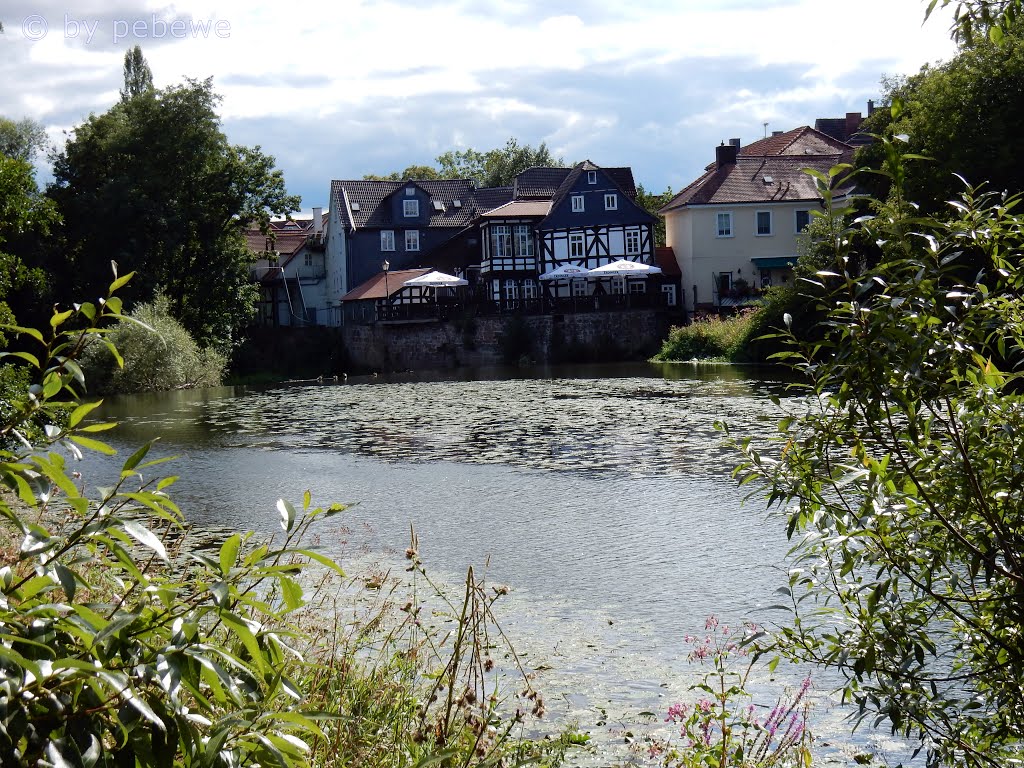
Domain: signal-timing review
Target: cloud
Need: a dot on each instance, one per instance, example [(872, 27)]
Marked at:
[(368, 86)]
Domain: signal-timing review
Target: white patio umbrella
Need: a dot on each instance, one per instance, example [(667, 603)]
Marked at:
[(565, 272), (436, 279), (624, 267)]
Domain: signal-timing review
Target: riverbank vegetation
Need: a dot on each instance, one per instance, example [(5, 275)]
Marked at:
[(126, 641)]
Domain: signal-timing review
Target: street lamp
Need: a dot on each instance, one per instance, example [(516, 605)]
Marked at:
[(387, 294)]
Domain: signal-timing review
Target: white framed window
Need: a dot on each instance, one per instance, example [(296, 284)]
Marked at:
[(670, 294), (511, 290), (611, 202), (501, 241), (579, 287), (387, 239), (632, 242), (529, 289), (803, 218), (576, 249), (524, 242), (591, 177), (618, 286), (638, 286), (309, 259), (724, 224), (410, 208), (577, 203), (409, 191), (763, 223), (412, 239)]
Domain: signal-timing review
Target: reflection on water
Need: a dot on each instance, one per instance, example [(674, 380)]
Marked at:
[(601, 494)]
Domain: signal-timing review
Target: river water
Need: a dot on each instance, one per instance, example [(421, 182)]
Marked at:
[(601, 495)]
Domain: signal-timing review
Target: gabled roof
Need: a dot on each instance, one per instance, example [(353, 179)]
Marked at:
[(371, 197), (539, 183), (767, 171), (377, 287), (665, 258), (799, 141), (489, 198), (285, 243)]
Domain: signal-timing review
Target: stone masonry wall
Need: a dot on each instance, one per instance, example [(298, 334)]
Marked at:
[(597, 336)]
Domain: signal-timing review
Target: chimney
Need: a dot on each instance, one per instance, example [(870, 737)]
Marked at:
[(777, 133), (853, 121), (734, 143), (726, 154), (318, 220), (871, 107)]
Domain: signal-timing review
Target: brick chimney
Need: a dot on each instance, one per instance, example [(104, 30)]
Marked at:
[(725, 154), (853, 121)]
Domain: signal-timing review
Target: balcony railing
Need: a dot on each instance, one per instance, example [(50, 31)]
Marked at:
[(544, 305)]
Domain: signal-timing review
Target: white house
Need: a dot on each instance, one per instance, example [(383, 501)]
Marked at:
[(734, 230)]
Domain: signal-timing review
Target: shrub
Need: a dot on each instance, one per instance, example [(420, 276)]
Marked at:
[(711, 339), (157, 353)]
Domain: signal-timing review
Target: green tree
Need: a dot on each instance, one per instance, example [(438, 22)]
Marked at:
[(412, 173), (899, 475), (154, 185), (652, 203), (975, 20), (155, 353), (497, 167), (965, 114), (138, 77), (21, 140)]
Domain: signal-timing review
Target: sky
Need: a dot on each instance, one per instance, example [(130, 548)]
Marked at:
[(340, 89)]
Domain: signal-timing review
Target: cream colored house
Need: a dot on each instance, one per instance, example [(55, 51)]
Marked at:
[(734, 230)]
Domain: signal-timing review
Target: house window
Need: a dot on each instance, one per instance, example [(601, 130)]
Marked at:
[(723, 281), (579, 287), (764, 222), (591, 177), (632, 242), (387, 239), (611, 202), (577, 203), (618, 286), (501, 241), (766, 278), (410, 208), (309, 259), (724, 225), (511, 290), (638, 286), (524, 243), (576, 250), (409, 191), (803, 218), (529, 289), (412, 239)]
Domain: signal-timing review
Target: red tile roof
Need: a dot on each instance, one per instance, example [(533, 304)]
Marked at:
[(374, 288), (665, 258)]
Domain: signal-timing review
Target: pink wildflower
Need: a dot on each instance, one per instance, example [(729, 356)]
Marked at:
[(676, 712)]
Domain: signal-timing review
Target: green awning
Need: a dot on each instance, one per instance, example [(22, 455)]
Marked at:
[(774, 262)]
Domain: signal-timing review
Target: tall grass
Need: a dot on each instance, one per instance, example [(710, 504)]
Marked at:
[(711, 339)]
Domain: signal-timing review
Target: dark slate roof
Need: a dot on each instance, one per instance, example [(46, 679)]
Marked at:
[(373, 212), (620, 177), (769, 170), (539, 183), (488, 198), (378, 288)]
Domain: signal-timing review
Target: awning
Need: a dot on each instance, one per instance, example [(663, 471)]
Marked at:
[(774, 262)]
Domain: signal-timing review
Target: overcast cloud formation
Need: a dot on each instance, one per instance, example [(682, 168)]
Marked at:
[(341, 89)]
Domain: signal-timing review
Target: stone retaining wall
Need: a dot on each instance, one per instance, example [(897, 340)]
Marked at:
[(598, 336)]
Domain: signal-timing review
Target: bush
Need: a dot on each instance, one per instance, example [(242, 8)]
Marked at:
[(121, 644), (900, 477), (711, 339), (157, 353)]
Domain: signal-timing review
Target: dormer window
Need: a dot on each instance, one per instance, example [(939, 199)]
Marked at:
[(591, 177), (577, 203), (409, 191), (439, 206), (411, 208), (611, 202)]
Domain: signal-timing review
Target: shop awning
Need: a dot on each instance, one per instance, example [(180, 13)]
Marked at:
[(774, 262)]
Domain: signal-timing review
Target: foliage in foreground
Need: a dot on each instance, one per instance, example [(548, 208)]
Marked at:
[(714, 338), (901, 477), (724, 727), (156, 353), (118, 646)]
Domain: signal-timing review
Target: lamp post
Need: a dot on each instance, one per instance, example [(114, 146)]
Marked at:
[(387, 294)]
